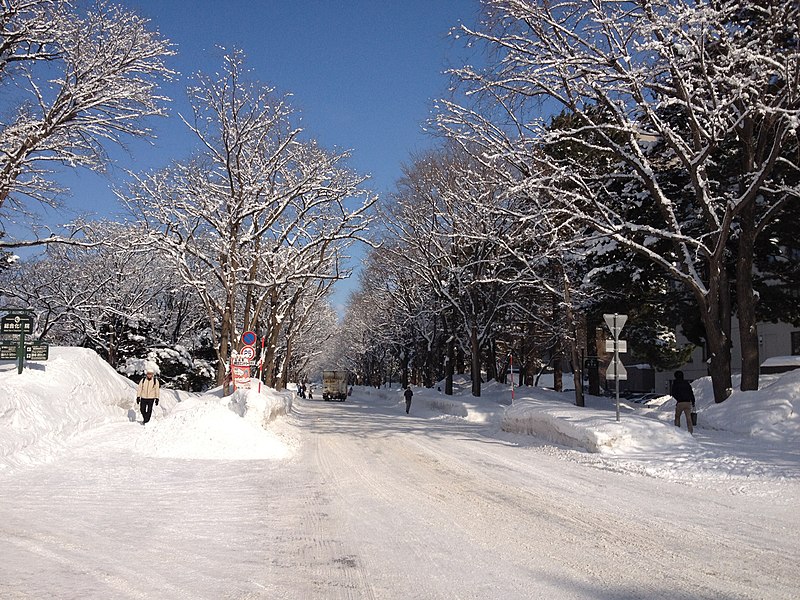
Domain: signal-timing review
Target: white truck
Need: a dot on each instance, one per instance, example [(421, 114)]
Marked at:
[(334, 385)]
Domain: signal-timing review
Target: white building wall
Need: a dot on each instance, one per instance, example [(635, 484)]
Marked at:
[(775, 339)]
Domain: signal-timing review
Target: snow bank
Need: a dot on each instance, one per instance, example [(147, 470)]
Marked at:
[(772, 412), (772, 408), (443, 405), (260, 408), (590, 429), (51, 401), (213, 428)]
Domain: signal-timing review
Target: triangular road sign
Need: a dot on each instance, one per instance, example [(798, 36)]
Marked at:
[(615, 322)]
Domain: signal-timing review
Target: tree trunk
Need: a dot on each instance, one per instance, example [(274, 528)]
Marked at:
[(491, 362), (285, 371), (450, 366), (271, 348), (594, 371), (225, 344), (577, 373), (746, 303), (476, 361), (404, 368), (558, 374), (716, 312)]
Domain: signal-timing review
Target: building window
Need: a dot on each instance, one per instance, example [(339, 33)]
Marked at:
[(796, 343)]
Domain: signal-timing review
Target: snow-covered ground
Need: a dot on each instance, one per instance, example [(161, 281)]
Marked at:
[(267, 496)]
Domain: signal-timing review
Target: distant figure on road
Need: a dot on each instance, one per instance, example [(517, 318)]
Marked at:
[(147, 393), (684, 398), (408, 393)]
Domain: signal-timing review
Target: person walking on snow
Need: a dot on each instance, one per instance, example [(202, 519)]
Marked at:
[(147, 394), (684, 398), (408, 393)]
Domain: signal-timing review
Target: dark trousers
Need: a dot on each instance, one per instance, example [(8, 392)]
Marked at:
[(408, 405), (146, 406)]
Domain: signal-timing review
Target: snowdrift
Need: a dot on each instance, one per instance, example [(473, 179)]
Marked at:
[(213, 428), (75, 391), (48, 402), (771, 411)]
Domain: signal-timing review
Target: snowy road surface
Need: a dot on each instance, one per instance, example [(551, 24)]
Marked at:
[(378, 504)]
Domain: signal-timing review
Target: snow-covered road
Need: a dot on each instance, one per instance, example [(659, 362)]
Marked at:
[(378, 504)]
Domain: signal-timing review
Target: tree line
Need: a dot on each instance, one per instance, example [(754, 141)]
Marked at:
[(249, 232), (637, 157)]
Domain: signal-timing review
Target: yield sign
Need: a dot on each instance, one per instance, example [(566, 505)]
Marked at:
[(615, 322), (616, 370)]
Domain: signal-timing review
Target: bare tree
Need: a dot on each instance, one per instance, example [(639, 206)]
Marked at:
[(73, 81), (99, 296), (656, 91), (451, 221), (256, 214)]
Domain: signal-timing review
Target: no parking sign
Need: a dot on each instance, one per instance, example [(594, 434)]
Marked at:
[(249, 338)]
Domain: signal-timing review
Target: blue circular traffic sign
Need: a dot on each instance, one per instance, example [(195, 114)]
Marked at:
[(249, 338)]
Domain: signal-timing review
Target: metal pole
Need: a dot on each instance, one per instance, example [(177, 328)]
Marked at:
[(616, 361), (511, 360), (261, 365), (21, 351)]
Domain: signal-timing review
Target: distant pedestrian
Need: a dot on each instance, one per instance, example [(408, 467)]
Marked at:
[(408, 393), (310, 394), (684, 400), (147, 393)]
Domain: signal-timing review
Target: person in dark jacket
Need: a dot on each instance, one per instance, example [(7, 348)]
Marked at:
[(147, 393), (684, 400), (408, 393)]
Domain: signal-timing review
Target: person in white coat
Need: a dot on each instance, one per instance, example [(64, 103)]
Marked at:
[(147, 394)]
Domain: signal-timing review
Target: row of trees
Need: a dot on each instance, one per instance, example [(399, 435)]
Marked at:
[(605, 151), (249, 232)]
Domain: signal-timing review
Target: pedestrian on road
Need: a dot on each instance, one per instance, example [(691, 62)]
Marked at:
[(684, 399), (148, 393), (408, 393)]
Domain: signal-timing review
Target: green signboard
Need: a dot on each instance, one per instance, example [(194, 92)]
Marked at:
[(8, 350), (16, 324), (37, 351)]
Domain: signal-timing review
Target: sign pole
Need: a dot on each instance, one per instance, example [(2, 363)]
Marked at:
[(261, 364), (616, 361), (21, 351), (615, 323), (511, 360)]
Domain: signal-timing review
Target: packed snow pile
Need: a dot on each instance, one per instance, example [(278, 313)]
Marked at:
[(75, 391), (771, 409), (50, 401), (553, 416), (772, 412), (213, 428), (549, 415)]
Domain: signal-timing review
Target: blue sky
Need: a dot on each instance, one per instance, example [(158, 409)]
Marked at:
[(364, 75)]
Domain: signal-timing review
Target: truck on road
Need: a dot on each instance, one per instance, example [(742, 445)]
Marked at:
[(334, 385)]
